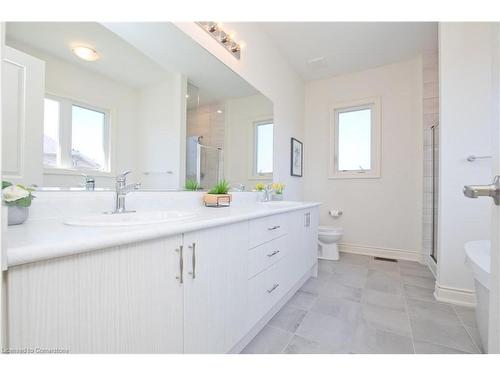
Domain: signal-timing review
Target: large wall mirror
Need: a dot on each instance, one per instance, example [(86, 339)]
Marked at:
[(88, 99)]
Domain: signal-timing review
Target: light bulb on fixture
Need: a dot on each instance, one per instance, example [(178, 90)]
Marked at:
[(226, 39), (85, 53), (219, 111), (213, 27), (235, 47)]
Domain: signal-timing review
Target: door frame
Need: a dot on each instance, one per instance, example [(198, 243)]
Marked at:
[(3, 221), (494, 316)]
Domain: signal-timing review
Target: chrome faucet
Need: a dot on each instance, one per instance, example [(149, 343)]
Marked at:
[(89, 182), (121, 190)]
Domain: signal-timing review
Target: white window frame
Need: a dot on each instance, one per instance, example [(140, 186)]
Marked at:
[(65, 161), (368, 103), (253, 175)]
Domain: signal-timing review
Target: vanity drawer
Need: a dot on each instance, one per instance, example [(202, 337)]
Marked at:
[(265, 255), (265, 290), (267, 228)]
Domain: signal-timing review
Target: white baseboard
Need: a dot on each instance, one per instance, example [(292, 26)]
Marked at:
[(432, 265), (380, 252), (455, 296)]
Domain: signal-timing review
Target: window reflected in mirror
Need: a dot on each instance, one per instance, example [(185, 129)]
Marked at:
[(264, 148), (51, 151)]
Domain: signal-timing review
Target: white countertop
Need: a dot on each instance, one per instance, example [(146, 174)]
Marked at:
[(49, 238)]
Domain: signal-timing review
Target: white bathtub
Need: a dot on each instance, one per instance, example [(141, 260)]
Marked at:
[(477, 257)]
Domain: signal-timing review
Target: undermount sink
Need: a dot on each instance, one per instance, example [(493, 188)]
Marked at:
[(129, 218)]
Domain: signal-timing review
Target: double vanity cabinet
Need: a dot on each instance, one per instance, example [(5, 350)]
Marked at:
[(203, 291)]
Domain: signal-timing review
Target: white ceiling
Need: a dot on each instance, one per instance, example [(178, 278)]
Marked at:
[(349, 46), (135, 54), (118, 60), (170, 47)]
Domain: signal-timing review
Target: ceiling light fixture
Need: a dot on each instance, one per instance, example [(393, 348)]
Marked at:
[(226, 39), (85, 53)]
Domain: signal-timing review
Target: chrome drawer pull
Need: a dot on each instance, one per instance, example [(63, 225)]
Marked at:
[(274, 228), (273, 253), (181, 264), (273, 288), (193, 260)]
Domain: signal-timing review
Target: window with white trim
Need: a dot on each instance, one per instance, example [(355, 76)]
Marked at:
[(263, 150), (355, 141), (76, 136)]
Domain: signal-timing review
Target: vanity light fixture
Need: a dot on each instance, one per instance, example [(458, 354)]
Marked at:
[(85, 53), (224, 38)]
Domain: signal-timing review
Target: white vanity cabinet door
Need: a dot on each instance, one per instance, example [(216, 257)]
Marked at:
[(124, 299), (303, 242), (309, 237), (215, 295)]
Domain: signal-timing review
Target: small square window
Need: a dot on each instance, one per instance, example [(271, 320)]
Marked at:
[(355, 142)]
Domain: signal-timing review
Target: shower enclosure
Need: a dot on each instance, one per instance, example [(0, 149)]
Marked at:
[(204, 164)]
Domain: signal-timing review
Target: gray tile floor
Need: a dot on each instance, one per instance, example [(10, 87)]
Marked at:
[(361, 305)]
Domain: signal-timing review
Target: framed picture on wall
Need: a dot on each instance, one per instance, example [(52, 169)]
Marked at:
[(296, 158)]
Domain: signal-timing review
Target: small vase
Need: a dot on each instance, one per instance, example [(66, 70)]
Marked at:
[(17, 215), (261, 195), (277, 197)]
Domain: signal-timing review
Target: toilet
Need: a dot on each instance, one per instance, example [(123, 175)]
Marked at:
[(328, 237)]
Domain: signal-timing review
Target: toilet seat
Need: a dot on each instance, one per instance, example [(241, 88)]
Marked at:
[(330, 230)]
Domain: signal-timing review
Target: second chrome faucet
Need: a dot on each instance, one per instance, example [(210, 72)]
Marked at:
[(121, 191)]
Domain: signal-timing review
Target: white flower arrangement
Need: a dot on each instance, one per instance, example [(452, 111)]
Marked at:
[(16, 195)]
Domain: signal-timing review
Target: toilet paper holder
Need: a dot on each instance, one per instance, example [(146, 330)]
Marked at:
[(335, 213)]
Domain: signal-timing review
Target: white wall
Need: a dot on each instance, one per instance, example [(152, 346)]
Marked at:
[(381, 214), (465, 84), (159, 138), (67, 80), (266, 69), (241, 114)]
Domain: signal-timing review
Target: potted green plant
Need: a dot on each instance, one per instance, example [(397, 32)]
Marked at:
[(218, 196), (18, 200), (192, 185)]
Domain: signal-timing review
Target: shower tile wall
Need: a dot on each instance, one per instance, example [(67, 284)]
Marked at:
[(430, 107), (206, 122)]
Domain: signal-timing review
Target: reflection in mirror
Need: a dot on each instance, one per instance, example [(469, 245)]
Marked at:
[(229, 137), (89, 101)]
